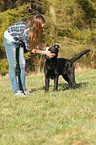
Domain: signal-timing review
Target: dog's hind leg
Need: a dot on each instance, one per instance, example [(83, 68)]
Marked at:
[(72, 85), (70, 78), (46, 84), (71, 81)]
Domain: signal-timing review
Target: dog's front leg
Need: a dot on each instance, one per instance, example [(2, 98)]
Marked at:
[(46, 84), (56, 83)]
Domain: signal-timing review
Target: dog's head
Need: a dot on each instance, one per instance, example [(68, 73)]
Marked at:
[(53, 49)]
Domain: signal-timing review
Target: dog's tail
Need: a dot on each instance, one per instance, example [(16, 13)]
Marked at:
[(79, 55)]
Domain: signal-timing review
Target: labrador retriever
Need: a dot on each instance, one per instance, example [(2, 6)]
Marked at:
[(54, 67)]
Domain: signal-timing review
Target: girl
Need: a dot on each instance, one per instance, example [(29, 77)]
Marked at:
[(17, 37)]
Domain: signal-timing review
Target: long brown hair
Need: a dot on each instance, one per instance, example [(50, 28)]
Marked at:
[(35, 34)]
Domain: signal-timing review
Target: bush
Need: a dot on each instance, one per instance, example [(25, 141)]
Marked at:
[(10, 17), (4, 67), (71, 24)]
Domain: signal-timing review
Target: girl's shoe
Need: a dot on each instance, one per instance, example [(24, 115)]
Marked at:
[(19, 93), (26, 92)]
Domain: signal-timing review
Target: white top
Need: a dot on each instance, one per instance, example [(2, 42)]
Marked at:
[(8, 36)]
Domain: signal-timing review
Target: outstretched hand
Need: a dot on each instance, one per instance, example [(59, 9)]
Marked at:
[(49, 54)]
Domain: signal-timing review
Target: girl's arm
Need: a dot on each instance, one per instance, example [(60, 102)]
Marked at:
[(46, 52)]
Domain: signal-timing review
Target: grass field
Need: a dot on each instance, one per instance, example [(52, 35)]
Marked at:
[(66, 117)]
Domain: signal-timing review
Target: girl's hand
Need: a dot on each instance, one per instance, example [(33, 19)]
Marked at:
[(34, 50), (49, 54)]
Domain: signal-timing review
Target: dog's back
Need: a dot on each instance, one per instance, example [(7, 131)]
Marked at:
[(63, 65)]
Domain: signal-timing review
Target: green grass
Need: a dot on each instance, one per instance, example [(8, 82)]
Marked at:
[(66, 117)]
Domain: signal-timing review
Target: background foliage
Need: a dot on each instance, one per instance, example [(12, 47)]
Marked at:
[(71, 24)]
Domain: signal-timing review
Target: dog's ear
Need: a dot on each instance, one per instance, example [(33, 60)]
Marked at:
[(56, 46)]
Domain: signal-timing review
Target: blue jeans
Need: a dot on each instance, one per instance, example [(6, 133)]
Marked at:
[(14, 52)]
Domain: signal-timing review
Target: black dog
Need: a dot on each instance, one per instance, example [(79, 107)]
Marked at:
[(54, 67)]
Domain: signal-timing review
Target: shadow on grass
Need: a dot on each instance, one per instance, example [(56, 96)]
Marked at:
[(66, 87), (37, 89), (61, 86)]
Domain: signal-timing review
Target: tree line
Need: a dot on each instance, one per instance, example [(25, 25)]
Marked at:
[(71, 24)]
